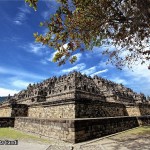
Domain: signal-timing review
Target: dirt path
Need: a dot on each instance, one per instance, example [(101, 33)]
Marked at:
[(24, 145)]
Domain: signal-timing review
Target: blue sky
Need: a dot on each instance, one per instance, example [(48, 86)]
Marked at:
[(22, 61)]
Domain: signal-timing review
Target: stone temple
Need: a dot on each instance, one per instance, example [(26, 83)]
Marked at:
[(75, 108)]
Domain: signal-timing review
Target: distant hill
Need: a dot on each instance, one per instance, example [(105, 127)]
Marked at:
[(2, 98)]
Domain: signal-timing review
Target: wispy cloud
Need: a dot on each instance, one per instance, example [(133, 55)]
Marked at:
[(99, 72), (95, 70), (95, 52), (22, 15), (20, 73), (6, 92), (52, 5), (18, 22), (89, 71), (51, 56), (119, 80), (78, 67), (139, 78), (79, 56), (11, 39), (25, 9), (44, 61), (20, 84), (103, 64), (36, 48), (139, 72), (17, 79), (45, 14)]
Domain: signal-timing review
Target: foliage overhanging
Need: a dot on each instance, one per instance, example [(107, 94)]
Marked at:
[(82, 25)]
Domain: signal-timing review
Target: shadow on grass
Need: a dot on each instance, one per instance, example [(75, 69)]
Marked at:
[(131, 134), (138, 143), (135, 139)]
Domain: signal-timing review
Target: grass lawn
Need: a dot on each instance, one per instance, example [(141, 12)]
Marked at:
[(133, 133), (10, 133)]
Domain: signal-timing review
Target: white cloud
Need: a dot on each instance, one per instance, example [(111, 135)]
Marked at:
[(94, 70), (17, 22), (139, 72), (95, 52), (52, 5), (99, 72), (45, 14), (25, 9), (78, 67), (20, 73), (89, 70), (103, 64), (119, 80), (22, 15), (36, 48), (20, 84), (44, 62), (139, 78), (6, 92), (79, 56), (52, 56)]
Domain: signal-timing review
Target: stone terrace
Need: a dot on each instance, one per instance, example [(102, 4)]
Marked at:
[(75, 108)]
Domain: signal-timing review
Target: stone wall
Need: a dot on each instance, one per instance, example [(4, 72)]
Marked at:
[(138, 110), (77, 109), (89, 96), (144, 120), (84, 108), (88, 129), (78, 130), (144, 109), (92, 109), (74, 108), (19, 110), (61, 96), (6, 122), (133, 110), (52, 111), (5, 111), (25, 101), (60, 129), (14, 110)]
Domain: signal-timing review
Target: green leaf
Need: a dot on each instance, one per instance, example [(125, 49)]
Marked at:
[(41, 24)]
